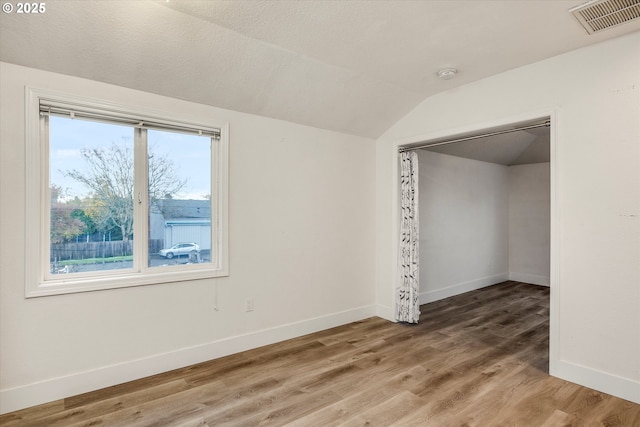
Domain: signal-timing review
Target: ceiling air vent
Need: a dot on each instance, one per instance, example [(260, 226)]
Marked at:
[(598, 15)]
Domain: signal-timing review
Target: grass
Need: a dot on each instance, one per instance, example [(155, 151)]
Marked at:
[(95, 260)]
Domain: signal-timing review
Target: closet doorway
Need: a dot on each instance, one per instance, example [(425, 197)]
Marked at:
[(485, 209)]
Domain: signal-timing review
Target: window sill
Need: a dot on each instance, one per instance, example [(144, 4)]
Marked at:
[(69, 285)]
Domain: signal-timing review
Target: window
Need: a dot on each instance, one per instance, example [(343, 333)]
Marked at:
[(121, 197)]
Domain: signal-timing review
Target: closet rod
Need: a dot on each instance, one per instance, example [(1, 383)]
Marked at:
[(468, 138)]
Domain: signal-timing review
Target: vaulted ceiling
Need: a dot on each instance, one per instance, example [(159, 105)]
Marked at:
[(351, 66)]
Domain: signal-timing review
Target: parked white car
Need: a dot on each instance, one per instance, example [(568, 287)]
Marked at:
[(179, 249)]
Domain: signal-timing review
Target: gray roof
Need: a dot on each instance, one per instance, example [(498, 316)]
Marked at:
[(181, 209)]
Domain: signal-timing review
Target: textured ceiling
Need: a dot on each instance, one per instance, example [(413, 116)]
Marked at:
[(351, 66)]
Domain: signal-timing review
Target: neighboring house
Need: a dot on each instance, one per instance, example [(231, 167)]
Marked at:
[(176, 220)]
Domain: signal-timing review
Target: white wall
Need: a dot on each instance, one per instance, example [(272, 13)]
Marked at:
[(464, 225), (593, 95), (302, 242), (529, 223)]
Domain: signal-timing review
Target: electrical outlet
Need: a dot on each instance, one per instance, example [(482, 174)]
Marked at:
[(248, 304)]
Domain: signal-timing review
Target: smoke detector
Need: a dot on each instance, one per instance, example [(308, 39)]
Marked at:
[(598, 15), (447, 73)]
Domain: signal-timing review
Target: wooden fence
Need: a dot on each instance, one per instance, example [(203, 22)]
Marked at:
[(84, 250)]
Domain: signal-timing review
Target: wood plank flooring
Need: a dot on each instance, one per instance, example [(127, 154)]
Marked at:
[(477, 359)]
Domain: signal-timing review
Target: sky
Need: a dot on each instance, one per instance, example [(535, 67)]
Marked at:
[(190, 154)]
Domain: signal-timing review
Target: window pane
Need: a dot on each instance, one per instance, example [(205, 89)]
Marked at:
[(91, 189), (179, 198)]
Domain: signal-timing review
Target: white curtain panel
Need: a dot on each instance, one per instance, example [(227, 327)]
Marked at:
[(407, 287)]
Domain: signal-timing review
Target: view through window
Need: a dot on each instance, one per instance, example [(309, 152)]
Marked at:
[(179, 198), (93, 197)]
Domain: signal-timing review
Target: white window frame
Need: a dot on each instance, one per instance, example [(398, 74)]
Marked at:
[(38, 280)]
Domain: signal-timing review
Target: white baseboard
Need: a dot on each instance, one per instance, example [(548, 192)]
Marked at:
[(623, 388), (533, 279), (13, 399), (460, 288), (386, 313)]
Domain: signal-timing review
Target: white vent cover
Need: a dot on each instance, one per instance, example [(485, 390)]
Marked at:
[(598, 15)]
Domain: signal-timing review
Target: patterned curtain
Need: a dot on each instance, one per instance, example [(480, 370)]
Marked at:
[(407, 287)]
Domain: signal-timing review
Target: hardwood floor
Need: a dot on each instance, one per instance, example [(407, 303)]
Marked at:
[(477, 359)]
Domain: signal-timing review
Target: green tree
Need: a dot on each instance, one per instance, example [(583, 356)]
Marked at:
[(89, 224), (64, 226)]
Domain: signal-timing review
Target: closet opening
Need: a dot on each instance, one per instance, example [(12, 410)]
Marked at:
[(485, 210)]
